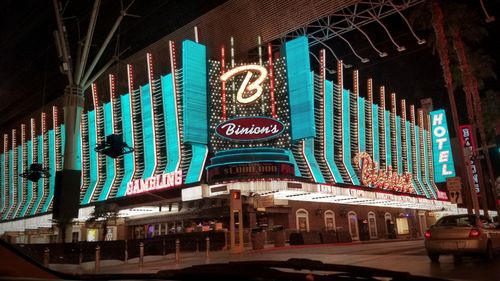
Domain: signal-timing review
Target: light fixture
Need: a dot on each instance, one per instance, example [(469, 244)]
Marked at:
[(35, 172), (114, 146)]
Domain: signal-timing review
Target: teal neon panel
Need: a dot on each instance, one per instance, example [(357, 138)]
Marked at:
[(441, 147), (40, 190), (194, 86), (29, 195), (52, 170), (427, 171), (398, 145), (361, 124), (419, 166), (128, 138), (329, 133), (346, 126), (376, 151), (387, 121), (300, 88), (19, 181), (173, 138), (313, 164), (292, 159), (195, 170), (110, 162), (92, 156), (409, 155), (148, 132)]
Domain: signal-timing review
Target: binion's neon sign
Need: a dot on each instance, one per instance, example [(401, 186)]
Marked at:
[(372, 176)]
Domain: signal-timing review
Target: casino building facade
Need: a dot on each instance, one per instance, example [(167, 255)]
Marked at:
[(300, 151)]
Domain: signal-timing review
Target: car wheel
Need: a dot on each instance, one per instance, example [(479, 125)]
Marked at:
[(433, 256), (489, 254)]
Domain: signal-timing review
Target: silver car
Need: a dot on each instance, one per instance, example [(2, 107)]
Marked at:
[(460, 235)]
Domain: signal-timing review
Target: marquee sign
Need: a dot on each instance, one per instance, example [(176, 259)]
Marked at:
[(250, 128), (251, 170), (371, 175), (163, 181), (441, 147)]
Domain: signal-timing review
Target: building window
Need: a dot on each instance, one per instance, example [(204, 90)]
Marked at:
[(389, 226), (353, 225), (372, 225), (402, 226), (329, 220), (302, 220)]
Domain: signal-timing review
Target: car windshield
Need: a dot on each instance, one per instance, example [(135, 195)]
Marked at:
[(147, 136)]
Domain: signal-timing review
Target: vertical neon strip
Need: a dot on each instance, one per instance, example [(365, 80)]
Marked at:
[(114, 126), (85, 157), (430, 156), (326, 113), (40, 192), (131, 86), (271, 79), (329, 133), (2, 180), (223, 90), (147, 132), (10, 186), (387, 133), (128, 137), (93, 140), (410, 156), (369, 117), (110, 162), (6, 173), (361, 124), (173, 67), (382, 130), (9, 178), (52, 170), (57, 146), (399, 159), (15, 173), (156, 149), (376, 150), (20, 169), (27, 160), (416, 152), (424, 153), (346, 138)]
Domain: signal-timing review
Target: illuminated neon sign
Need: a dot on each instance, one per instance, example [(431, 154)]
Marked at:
[(468, 143), (441, 147), (250, 128), (163, 181), (255, 88), (372, 176)]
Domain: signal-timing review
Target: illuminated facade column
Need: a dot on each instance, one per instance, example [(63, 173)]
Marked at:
[(14, 179), (4, 178), (424, 159), (354, 121), (430, 156), (25, 192), (73, 107), (7, 177), (32, 158), (174, 155), (415, 154), (396, 159), (369, 118), (156, 137)]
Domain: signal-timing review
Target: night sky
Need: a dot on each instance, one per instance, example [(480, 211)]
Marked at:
[(29, 75)]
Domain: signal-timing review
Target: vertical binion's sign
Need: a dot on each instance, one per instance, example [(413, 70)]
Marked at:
[(468, 144), (441, 147)]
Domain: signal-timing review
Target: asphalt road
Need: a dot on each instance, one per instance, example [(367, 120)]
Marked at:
[(406, 256)]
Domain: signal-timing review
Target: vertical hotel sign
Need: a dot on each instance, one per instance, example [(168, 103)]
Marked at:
[(441, 147), (468, 144)]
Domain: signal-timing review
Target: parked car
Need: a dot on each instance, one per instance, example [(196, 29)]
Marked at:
[(460, 235)]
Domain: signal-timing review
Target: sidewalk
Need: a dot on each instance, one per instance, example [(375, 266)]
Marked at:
[(153, 264)]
